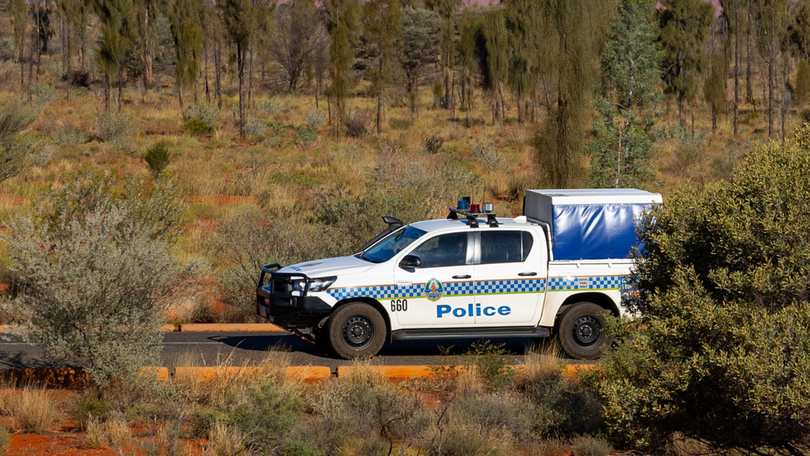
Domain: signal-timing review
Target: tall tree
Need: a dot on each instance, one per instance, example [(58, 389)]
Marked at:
[(685, 25), (342, 19), (19, 20), (188, 37), (630, 71), (299, 39), (118, 31), (771, 19), (420, 39), (239, 19), (382, 26), (736, 13), (571, 34), (523, 33), (447, 10), (714, 85)]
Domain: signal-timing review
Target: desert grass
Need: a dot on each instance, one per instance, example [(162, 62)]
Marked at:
[(31, 409), (542, 361)]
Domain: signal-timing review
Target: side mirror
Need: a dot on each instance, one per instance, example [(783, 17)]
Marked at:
[(410, 262)]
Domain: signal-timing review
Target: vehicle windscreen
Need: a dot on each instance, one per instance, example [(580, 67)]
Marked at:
[(392, 244)]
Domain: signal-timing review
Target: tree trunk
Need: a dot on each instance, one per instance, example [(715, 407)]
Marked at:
[(240, 64), (770, 89), (736, 75), (217, 65), (205, 72), (81, 39), (749, 91), (147, 53)]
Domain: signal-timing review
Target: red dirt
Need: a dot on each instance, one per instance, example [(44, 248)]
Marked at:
[(13, 200)]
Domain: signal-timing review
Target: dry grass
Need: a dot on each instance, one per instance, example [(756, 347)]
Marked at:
[(542, 361), (31, 410), (223, 441), (230, 377)]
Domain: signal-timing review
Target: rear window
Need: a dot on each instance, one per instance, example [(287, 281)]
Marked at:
[(505, 246)]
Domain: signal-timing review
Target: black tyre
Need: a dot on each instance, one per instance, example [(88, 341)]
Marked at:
[(356, 330), (581, 330)]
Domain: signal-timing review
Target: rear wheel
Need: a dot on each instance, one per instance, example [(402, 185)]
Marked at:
[(356, 330), (581, 330)]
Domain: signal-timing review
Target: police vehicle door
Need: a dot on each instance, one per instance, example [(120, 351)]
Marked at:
[(440, 290), (510, 277)]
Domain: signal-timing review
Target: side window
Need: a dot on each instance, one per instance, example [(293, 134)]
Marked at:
[(443, 250), (505, 246)]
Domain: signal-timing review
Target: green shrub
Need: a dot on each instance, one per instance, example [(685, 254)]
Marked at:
[(89, 407), (724, 304), (113, 125), (157, 157), (90, 224), (400, 124), (44, 94), (433, 144), (254, 126), (305, 137), (494, 365), (14, 154), (315, 119), (202, 110), (196, 127), (271, 106)]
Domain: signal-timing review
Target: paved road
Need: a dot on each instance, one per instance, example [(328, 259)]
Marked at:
[(237, 348)]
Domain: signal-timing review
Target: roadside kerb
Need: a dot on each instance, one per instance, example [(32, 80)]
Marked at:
[(305, 373), (389, 372), (224, 327)]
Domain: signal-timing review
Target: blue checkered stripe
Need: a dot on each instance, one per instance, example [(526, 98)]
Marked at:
[(593, 283), (416, 290), (488, 287)]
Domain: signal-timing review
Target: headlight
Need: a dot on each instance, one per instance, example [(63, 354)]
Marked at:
[(321, 284), (298, 287)]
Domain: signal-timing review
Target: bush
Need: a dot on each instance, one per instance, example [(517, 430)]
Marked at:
[(196, 127), (315, 119), (204, 111), (493, 365), (253, 125), (5, 440), (44, 94), (14, 118), (157, 157), (724, 302), (89, 407), (270, 106), (433, 144), (591, 446), (305, 137), (113, 125), (108, 265), (486, 150)]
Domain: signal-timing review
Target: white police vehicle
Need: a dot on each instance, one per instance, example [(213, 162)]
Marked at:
[(553, 271)]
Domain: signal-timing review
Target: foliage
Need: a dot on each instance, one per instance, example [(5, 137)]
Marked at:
[(591, 446), (44, 94), (494, 365), (95, 272), (485, 150), (803, 83), (157, 157), (202, 110), (571, 33), (89, 407), (433, 144), (5, 440), (724, 303), (112, 125), (419, 46), (196, 127), (17, 150)]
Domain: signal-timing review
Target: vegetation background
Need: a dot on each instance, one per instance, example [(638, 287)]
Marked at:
[(200, 140)]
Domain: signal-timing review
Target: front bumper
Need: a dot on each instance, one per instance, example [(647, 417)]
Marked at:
[(275, 301)]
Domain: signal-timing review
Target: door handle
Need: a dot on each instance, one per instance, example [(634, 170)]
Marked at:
[(527, 274), (466, 276)]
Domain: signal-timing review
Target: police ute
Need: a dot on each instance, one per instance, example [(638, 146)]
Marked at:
[(554, 271)]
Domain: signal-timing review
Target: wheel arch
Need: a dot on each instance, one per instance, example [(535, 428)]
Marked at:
[(372, 302), (600, 299)]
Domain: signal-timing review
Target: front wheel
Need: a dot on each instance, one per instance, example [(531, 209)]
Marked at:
[(356, 330), (581, 330)]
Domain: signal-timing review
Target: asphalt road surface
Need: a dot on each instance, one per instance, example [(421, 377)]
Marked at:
[(249, 348)]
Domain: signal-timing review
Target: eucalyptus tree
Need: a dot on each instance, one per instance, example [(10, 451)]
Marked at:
[(714, 84), (469, 32), (382, 27), (630, 71), (342, 18), (771, 19), (187, 33), (685, 25), (418, 48), (571, 34), (493, 52)]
